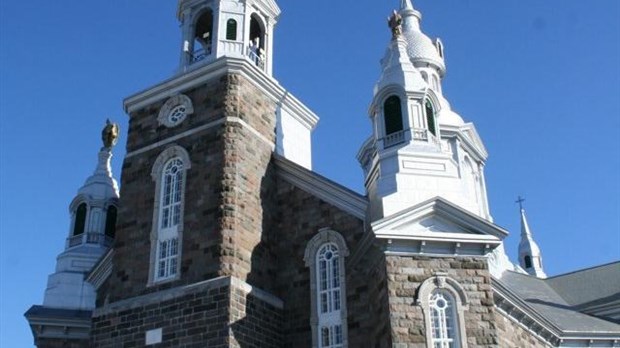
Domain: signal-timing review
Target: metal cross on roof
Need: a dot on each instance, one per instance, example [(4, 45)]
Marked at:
[(520, 201)]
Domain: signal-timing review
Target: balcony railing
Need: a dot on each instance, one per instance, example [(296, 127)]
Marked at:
[(420, 134), (201, 54), (393, 139), (90, 238), (257, 59)]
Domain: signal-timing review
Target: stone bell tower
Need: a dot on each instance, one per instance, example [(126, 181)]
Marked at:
[(194, 224)]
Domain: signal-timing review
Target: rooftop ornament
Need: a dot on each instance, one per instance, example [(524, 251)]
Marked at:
[(395, 22), (109, 134)]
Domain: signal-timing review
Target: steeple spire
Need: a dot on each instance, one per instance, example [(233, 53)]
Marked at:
[(530, 257)]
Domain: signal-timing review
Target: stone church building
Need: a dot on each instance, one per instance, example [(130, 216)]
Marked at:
[(221, 235)]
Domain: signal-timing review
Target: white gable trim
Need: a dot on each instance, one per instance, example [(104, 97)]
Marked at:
[(322, 188), (405, 235)]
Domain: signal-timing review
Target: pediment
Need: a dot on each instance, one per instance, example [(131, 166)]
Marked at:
[(440, 225)]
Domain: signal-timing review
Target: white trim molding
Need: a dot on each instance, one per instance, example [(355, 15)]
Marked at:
[(172, 104), (327, 237), (170, 153), (442, 283)]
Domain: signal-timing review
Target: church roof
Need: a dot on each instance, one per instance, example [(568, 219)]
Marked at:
[(544, 298)]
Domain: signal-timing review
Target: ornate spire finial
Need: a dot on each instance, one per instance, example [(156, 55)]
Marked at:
[(109, 134), (395, 22)]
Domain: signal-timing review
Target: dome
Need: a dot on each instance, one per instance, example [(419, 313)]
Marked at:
[(421, 49), (450, 118)]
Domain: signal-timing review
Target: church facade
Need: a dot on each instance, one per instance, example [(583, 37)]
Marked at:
[(221, 235)]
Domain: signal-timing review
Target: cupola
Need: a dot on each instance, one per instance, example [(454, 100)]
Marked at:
[(92, 230), (212, 29)]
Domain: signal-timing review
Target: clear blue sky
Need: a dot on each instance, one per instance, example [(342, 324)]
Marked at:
[(540, 79)]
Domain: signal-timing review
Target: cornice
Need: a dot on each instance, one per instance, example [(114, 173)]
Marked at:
[(323, 188), (213, 69)]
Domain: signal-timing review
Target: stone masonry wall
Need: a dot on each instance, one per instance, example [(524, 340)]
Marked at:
[(246, 184), (192, 320), (300, 216), (223, 211), (254, 322), (405, 275), (222, 312), (61, 343), (512, 335)]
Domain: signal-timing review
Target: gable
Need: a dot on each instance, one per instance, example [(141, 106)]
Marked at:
[(438, 226)]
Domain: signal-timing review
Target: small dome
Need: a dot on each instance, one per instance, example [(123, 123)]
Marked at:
[(450, 118), (421, 49)]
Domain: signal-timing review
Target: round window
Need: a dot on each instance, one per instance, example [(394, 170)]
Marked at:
[(177, 114)]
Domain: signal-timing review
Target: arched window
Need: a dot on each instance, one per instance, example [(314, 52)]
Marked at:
[(257, 31), (170, 215), (329, 295), (429, 110), (231, 30), (444, 302), (528, 261), (80, 219), (169, 173), (393, 115), (110, 222), (443, 320), (203, 36), (325, 256)]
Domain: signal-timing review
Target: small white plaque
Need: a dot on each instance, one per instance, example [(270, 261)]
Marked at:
[(153, 336)]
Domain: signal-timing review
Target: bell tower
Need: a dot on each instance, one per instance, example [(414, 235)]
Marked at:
[(232, 28), (64, 317), (420, 148)]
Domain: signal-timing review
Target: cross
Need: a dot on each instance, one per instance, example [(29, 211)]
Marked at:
[(520, 201)]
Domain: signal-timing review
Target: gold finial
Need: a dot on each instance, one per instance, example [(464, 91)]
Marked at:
[(395, 22), (109, 134)]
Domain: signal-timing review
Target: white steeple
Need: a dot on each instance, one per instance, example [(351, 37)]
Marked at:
[(212, 29), (530, 257), (425, 54), (420, 148), (92, 229)]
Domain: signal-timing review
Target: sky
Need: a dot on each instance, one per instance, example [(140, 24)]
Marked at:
[(539, 79)]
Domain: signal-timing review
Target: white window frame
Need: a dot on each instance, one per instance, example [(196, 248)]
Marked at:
[(454, 292), (166, 239), (175, 104), (334, 320)]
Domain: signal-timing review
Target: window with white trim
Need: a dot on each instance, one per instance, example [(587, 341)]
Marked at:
[(444, 303), (324, 256), (169, 173), (443, 319), (329, 295), (169, 218)]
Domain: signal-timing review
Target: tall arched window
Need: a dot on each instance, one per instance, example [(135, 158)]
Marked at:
[(444, 302), (329, 296), (430, 117), (231, 30), (80, 219), (110, 222), (443, 320), (325, 256), (393, 115), (170, 215), (169, 173)]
